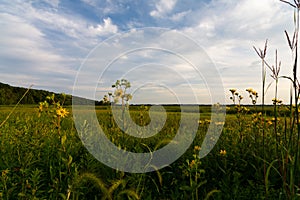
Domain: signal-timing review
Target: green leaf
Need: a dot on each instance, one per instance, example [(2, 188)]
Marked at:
[(63, 139), (70, 160), (211, 193), (200, 184), (63, 196), (185, 188)]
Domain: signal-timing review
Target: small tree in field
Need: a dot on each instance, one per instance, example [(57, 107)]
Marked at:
[(120, 92)]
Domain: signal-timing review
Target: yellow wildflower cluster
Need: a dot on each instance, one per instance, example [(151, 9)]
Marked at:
[(223, 152), (61, 112), (253, 95), (276, 101), (219, 123), (256, 117), (43, 106), (235, 94), (192, 163), (232, 90), (206, 121), (53, 107), (197, 148), (4, 172)]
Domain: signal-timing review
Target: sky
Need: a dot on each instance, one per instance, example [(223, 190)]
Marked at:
[(193, 52)]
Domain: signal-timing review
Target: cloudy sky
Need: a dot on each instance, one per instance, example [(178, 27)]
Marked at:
[(48, 43)]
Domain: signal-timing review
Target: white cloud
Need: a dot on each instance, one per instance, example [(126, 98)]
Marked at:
[(227, 30), (163, 7), (24, 41), (71, 25), (106, 28), (179, 16), (28, 58), (53, 3)]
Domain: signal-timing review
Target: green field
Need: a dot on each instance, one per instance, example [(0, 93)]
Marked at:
[(42, 157)]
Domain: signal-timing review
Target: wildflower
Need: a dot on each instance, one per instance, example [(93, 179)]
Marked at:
[(219, 123), (273, 119), (197, 148), (41, 107), (192, 163), (276, 101), (128, 97), (223, 152), (207, 121), (105, 99), (255, 93), (232, 91), (278, 134), (118, 92), (62, 112), (270, 122), (249, 90), (5, 172), (186, 173), (200, 122), (245, 109)]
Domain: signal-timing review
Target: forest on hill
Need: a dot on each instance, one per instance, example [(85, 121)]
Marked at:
[(10, 95)]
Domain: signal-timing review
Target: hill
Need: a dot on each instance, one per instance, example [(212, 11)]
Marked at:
[(10, 95)]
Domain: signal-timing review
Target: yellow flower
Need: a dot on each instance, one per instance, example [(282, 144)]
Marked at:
[(192, 163), (207, 121), (41, 107), (232, 91), (197, 148), (62, 112), (219, 123), (223, 152), (246, 109), (273, 119), (276, 101), (259, 114), (249, 90), (5, 172), (254, 93)]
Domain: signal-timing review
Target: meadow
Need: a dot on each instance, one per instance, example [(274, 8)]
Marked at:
[(42, 157), (256, 157)]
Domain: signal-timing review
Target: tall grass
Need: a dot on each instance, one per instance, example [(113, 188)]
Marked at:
[(288, 157), (256, 157)]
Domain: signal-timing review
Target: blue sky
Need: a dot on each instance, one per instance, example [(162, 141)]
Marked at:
[(45, 43)]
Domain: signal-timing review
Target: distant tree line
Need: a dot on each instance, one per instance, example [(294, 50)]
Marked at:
[(10, 95)]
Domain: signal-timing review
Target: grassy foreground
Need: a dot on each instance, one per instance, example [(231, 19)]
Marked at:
[(42, 157)]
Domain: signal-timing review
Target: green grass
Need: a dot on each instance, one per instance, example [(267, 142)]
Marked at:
[(41, 160)]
